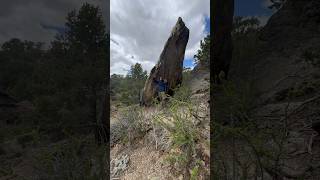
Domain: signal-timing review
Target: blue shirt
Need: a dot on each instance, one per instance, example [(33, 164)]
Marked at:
[(162, 86)]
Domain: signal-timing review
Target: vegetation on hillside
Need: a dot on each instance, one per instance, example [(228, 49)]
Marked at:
[(126, 89), (233, 101), (63, 86), (202, 57), (64, 83)]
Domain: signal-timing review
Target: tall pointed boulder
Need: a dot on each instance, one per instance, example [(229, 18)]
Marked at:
[(170, 63)]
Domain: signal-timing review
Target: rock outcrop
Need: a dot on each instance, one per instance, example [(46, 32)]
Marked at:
[(286, 80), (170, 63)]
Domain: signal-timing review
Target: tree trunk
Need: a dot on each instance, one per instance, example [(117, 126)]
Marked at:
[(93, 105), (101, 121), (222, 43), (104, 118)]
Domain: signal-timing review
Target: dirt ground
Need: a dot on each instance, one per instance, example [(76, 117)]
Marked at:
[(145, 163)]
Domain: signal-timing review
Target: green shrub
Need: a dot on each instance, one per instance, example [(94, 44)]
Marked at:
[(182, 94), (195, 173), (182, 132), (132, 124)]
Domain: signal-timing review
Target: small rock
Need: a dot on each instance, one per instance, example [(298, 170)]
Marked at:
[(119, 165)]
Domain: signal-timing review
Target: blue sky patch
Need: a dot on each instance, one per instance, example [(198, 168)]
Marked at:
[(188, 63), (207, 24), (251, 8)]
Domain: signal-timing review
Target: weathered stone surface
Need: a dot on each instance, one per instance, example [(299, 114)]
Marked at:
[(170, 63), (119, 165), (279, 69)]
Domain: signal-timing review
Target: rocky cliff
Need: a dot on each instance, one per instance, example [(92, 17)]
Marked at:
[(170, 63), (286, 78)]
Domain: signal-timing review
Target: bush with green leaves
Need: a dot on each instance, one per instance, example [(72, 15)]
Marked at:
[(131, 125), (178, 120), (126, 89)]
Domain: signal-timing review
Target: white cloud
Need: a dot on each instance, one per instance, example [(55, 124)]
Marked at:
[(22, 19), (140, 28)]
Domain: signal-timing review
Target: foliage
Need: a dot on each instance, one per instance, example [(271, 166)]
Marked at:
[(183, 134), (61, 87), (194, 173), (132, 125), (276, 4), (243, 26), (245, 35), (126, 89), (203, 54), (182, 94), (136, 72), (63, 83)]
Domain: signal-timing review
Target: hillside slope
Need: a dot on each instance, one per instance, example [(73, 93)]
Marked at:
[(144, 153), (285, 82)]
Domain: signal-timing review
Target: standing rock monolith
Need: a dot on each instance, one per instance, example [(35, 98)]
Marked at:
[(170, 63)]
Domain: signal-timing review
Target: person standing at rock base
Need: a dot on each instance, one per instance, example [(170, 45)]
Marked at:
[(162, 86)]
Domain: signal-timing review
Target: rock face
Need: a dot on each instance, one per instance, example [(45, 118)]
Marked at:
[(283, 68), (285, 77), (170, 63), (290, 33)]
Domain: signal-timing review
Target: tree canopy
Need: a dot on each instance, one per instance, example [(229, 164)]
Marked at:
[(203, 54), (126, 89), (64, 82)]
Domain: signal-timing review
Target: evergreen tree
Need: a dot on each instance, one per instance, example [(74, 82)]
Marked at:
[(126, 89), (86, 42), (276, 4), (203, 55)]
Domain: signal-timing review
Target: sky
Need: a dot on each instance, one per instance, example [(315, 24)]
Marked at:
[(257, 8), (38, 20), (140, 28)]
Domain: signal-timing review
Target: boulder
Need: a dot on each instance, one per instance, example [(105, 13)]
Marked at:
[(170, 63)]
